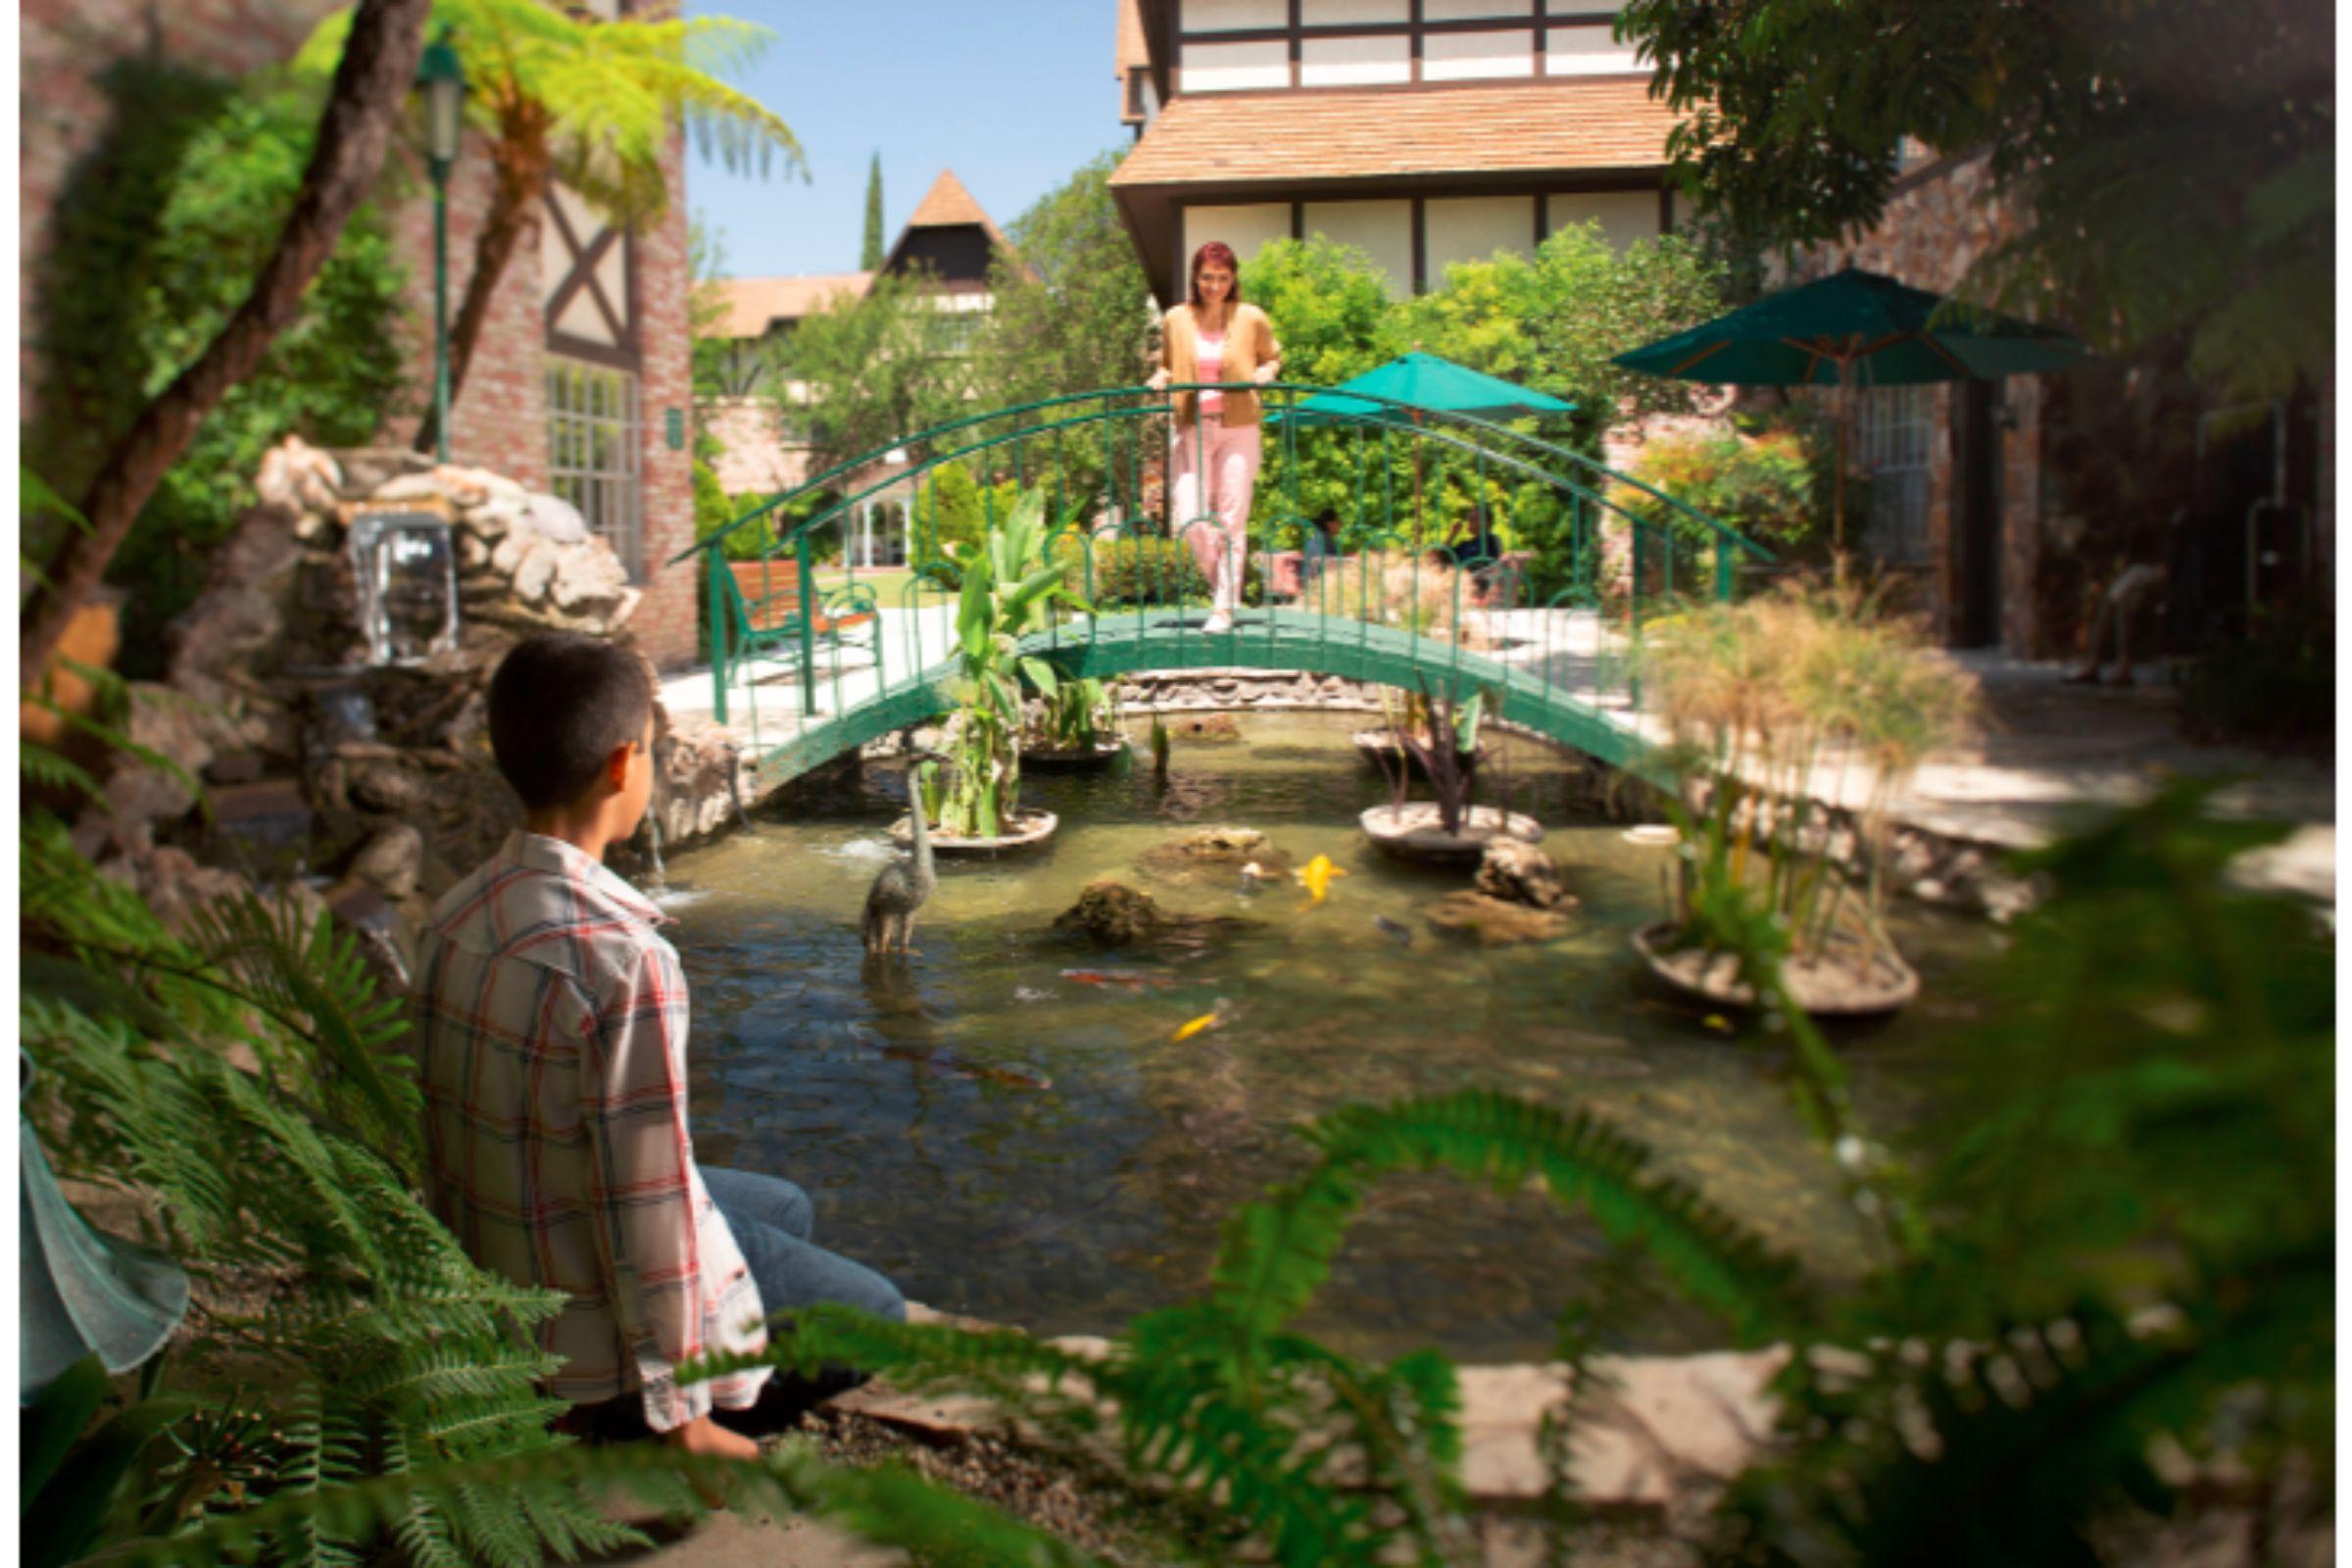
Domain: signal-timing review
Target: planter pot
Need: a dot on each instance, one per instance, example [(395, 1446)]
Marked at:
[(1049, 760), (1412, 832), (1030, 830), (1825, 989)]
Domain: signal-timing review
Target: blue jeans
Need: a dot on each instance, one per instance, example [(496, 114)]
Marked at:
[(771, 1220)]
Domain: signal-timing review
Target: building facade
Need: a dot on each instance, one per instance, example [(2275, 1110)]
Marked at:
[(1423, 132), (581, 383), (2008, 506)]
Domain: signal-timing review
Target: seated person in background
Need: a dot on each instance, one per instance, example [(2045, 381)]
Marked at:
[(2135, 589), (551, 1042)]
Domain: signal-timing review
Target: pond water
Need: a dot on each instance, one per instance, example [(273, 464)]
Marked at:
[(1008, 1141)]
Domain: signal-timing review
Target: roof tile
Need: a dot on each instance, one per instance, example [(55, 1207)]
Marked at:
[(1220, 138)]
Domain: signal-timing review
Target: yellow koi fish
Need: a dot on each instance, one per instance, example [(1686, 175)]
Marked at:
[(1208, 1020), (1315, 876)]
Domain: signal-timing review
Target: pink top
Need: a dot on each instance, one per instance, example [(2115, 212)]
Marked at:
[(1208, 356)]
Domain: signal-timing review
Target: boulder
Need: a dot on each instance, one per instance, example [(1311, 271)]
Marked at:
[(365, 468), (1115, 916), (554, 517), (1214, 853), (392, 862), (471, 487), (299, 477), (1494, 922), (174, 886), (588, 578), (1519, 873), (535, 570), (493, 519), (409, 487), (382, 786)]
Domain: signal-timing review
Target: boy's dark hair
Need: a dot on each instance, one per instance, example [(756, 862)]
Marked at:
[(559, 704)]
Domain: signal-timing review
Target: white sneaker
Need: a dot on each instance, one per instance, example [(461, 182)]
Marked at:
[(1217, 623)]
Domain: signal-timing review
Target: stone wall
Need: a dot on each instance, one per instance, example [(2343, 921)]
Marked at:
[(373, 785)]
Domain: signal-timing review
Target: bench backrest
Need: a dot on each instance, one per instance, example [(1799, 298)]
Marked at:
[(763, 594)]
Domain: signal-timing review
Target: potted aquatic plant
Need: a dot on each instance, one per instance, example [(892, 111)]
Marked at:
[(1451, 829), (1007, 593), (1077, 726), (1795, 720)]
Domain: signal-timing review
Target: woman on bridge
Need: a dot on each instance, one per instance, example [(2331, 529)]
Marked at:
[(1214, 337)]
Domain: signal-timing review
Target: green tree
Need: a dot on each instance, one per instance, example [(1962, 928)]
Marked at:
[(1553, 322), (2169, 165), (595, 105), (869, 368), (870, 255), (372, 74), (1073, 311)]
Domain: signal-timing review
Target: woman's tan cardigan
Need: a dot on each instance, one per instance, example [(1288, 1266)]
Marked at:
[(1249, 344)]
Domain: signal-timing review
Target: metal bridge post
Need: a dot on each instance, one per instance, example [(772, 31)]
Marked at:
[(714, 631), (806, 557)]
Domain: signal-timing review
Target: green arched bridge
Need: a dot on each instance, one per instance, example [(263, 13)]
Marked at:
[(1395, 546)]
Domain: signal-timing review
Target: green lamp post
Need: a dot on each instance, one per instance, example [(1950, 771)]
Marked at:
[(443, 79)]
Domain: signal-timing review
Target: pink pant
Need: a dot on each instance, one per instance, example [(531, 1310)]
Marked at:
[(1231, 456)]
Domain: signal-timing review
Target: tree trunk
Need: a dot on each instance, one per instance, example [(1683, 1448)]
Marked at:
[(378, 67), (521, 180)]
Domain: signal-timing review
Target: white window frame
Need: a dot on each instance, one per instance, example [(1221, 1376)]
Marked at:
[(594, 437), (1895, 432)]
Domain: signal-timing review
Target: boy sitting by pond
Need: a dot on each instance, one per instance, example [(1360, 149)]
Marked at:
[(551, 1038)]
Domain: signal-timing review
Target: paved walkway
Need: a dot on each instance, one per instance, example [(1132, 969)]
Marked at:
[(2050, 753)]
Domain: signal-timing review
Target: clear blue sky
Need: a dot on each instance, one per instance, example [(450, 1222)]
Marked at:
[(1012, 96)]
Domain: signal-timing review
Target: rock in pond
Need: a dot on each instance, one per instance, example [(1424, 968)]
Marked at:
[(1212, 854), (1519, 873), (1494, 922), (1112, 914)]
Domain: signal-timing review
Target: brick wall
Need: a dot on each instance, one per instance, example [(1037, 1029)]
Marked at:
[(1938, 223), (666, 622), (500, 418)]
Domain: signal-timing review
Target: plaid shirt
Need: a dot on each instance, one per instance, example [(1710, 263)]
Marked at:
[(551, 1038)]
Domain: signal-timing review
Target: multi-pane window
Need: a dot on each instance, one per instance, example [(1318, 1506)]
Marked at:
[(592, 440), (1895, 426)]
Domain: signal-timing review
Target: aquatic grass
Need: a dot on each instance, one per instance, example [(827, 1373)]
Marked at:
[(1770, 705)]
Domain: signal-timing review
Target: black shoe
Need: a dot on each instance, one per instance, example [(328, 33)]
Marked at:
[(786, 1398)]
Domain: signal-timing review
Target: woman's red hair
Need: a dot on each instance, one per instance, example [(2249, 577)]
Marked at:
[(1217, 251)]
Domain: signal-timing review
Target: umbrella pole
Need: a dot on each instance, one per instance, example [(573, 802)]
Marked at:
[(1845, 402)]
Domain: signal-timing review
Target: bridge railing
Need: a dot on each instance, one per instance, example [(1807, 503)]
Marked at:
[(1412, 544)]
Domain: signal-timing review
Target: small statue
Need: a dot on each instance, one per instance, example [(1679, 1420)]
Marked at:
[(903, 886)]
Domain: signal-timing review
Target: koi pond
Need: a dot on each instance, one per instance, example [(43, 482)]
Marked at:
[(1006, 1125)]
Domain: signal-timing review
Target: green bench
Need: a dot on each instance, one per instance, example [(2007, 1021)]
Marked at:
[(765, 609)]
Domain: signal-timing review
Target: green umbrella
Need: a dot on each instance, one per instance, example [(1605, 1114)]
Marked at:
[(1856, 329), (1425, 381)]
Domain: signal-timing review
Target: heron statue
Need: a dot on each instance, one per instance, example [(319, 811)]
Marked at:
[(903, 886)]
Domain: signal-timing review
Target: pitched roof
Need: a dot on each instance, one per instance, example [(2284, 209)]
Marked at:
[(948, 205), (1226, 138), (755, 304)]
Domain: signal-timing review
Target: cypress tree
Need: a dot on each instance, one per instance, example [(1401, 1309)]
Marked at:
[(871, 257)]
